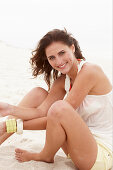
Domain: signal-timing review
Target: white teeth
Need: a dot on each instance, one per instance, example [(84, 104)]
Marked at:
[(62, 66)]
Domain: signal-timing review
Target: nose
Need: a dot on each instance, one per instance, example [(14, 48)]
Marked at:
[(58, 61)]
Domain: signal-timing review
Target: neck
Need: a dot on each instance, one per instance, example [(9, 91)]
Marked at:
[(73, 72)]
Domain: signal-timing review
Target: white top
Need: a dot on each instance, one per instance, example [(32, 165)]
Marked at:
[(96, 111)]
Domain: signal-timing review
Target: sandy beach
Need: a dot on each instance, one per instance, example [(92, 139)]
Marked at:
[(15, 81)]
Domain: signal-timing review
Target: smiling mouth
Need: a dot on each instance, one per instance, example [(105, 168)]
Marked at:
[(62, 66)]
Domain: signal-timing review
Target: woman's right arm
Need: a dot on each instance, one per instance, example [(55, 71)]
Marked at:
[(57, 92)]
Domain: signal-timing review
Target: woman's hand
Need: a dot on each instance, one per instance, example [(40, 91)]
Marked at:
[(5, 109)]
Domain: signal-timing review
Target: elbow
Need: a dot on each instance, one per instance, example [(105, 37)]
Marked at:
[(72, 103)]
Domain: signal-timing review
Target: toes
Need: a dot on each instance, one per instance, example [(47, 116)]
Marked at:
[(18, 154), (18, 157), (22, 155), (17, 150)]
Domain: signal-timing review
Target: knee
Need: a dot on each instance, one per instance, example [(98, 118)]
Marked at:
[(58, 109), (39, 92)]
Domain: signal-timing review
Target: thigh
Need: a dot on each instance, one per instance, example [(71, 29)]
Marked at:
[(34, 98), (81, 144)]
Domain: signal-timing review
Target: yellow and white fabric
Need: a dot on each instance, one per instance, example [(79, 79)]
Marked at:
[(11, 125), (104, 160), (19, 126)]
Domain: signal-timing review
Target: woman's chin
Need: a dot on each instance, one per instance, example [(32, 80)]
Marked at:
[(63, 71)]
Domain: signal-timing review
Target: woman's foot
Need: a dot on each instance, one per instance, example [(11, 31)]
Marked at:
[(24, 156), (5, 109)]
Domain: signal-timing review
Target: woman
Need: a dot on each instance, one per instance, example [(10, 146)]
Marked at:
[(79, 122)]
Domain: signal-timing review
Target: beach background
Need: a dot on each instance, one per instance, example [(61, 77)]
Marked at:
[(23, 23)]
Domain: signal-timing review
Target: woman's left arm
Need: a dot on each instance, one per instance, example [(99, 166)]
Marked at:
[(84, 83)]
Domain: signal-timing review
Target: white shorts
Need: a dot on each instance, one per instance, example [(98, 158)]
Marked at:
[(104, 159)]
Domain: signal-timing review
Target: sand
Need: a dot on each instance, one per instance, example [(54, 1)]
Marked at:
[(32, 141)]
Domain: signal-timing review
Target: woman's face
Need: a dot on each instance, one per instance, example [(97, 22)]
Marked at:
[(60, 56)]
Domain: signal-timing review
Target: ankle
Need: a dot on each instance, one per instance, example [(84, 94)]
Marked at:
[(46, 158)]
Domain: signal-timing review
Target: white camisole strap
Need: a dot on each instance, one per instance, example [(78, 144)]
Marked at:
[(80, 65), (67, 79)]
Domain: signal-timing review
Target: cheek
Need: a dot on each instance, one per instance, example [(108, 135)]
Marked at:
[(51, 63), (70, 57)]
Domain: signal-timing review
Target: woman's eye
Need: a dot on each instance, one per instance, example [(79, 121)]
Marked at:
[(51, 57), (62, 52)]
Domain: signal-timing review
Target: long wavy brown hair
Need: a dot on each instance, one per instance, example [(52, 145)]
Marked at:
[(39, 62)]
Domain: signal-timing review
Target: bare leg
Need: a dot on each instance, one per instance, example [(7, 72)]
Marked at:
[(65, 125), (27, 109), (30, 100), (4, 137)]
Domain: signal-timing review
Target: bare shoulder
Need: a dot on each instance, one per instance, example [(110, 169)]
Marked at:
[(91, 69), (95, 73)]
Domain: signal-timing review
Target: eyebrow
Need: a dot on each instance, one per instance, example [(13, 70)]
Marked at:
[(53, 55)]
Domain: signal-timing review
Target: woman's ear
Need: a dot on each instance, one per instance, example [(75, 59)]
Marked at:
[(73, 48)]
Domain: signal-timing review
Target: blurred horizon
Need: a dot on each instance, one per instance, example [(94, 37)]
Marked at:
[(24, 22), (30, 20)]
